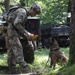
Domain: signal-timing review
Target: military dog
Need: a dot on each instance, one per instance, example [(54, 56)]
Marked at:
[(58, 56)]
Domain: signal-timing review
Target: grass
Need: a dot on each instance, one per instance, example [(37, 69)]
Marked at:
[(41, 58), (69, 70), (41, 63), (3, 59)]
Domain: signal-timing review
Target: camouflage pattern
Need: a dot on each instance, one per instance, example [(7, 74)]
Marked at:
[(36, 8), (15, 50)]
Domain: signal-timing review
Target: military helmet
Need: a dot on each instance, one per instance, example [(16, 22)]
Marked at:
[(36, 8)]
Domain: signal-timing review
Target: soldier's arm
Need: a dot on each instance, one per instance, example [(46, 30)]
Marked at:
[(21, 16)]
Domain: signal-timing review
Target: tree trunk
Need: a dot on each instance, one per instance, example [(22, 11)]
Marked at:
[(69, 11), (72, 34), (7, 4)]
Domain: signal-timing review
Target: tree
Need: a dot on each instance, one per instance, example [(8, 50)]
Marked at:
[(53, 11), (72, 34), (69, 13), (22, 2), (7, 4)]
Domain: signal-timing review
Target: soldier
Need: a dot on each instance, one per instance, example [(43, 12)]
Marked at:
[(15, 20)]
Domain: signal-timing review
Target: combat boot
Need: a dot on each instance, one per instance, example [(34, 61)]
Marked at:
[(15, 71), (25, 69)]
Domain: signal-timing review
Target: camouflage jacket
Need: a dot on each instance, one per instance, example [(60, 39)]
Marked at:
[(16, 19)]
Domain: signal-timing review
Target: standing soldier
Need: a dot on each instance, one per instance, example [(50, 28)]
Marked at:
[(15, 19)]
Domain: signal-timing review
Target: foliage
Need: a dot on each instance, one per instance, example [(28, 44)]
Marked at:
[(3, 59), (14, 2), (53, 11), (1, 6), (67, 70)]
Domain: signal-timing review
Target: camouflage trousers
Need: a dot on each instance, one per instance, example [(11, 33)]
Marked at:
[(15, 53)]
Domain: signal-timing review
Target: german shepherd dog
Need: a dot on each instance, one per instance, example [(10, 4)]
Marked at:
[(58, 56)]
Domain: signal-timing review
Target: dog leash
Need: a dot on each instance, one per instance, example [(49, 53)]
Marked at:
[(39, 72)]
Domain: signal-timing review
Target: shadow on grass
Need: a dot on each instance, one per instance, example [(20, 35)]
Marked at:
[(3, 69)]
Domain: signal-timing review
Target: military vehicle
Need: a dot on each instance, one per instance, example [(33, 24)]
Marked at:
[(32, 25), (60, 32)]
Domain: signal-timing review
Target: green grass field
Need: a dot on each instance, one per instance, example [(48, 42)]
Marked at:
[(41, 63)]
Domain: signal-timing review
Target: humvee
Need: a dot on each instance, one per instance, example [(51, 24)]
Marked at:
[(32, 25)]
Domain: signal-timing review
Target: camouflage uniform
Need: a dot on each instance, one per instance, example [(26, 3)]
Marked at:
[(15, 20), (15, 50)]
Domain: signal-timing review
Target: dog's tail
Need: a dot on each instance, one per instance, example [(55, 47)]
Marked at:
[(64, 58)]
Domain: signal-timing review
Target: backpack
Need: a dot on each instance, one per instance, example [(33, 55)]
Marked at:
[(11, 10)]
